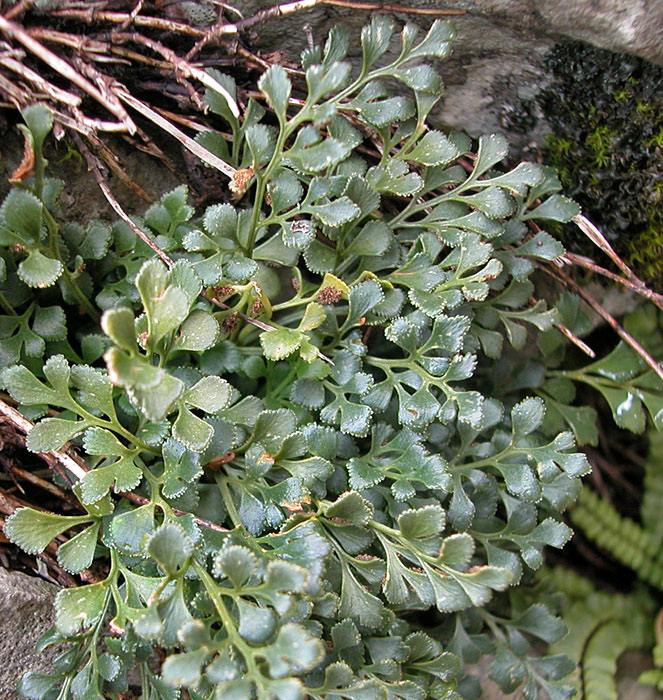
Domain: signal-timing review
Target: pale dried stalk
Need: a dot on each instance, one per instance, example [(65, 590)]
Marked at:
[(19, 97), (43, 484), (654, 297), (74, 41), (41, 83), (93, 15), (109, 101), (139, 58), (195, 148), (127, 220), (184, 67), (568, 333), (71, 123), (26, 426), (187, 121), (18, 9), (608, 318), (99, 124), (256, 60), (113, 162), (632, 280), (134, 13), (599, 240)]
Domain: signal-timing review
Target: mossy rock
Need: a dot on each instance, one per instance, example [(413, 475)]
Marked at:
[(606, 114)]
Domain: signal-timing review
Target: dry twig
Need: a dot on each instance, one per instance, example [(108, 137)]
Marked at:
[(193, 146), (631, 280), (40, 82), (566, 332), (92, 15), (108, 100), (607, 317), (235, 29), (23, 424), (182, 66)]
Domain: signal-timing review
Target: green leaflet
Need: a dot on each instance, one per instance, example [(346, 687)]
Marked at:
[(32, 530), (80, 608)]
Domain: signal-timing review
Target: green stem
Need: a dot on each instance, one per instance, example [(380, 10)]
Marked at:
[(40, 168), (490, 622), (154, 596), (64, 691), (114, 424), (54, 249), (592, 380), (6, 305), (488, 462), (299, 297), (234, 151), (285, 382), (286, 129), (403, 214), (228, 501), (257, 206), (291, 303), (144, 447), (77, 292), (151, 480), (345, 265), (144, 670), (227, 621)]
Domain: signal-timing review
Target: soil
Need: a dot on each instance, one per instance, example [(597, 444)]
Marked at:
[(82, 200)]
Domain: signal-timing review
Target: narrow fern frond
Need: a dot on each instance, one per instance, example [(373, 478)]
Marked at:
[(601, 627), (654, 676), (653, 489), (598, 663), (567, 582), (624, 539)]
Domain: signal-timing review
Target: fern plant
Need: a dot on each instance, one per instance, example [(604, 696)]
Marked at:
[(304, 425), (602, 625)]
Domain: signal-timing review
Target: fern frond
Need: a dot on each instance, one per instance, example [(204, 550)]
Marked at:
[(598, 663), (624, 539), (653, 489), (654, 676), (567, 582), (601, 627)]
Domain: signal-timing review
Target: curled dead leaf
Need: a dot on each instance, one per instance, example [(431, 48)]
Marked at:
[(26, 168)]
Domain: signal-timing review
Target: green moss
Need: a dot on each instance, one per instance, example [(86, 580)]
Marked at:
[(606, 114), (657, 140), (599, 143)]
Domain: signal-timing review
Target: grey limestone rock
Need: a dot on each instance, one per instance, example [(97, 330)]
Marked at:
[(26, 611)]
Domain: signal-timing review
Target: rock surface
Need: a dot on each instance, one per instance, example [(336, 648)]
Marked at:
[(496, 67), (26, 611)]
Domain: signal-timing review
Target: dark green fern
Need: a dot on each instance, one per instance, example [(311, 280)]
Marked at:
[(629, 543), (602, 625)]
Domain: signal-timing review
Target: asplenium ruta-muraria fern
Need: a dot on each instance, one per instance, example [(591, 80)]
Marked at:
[(374, 445)]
